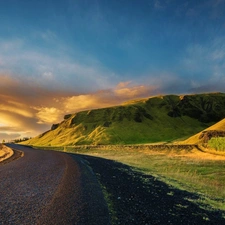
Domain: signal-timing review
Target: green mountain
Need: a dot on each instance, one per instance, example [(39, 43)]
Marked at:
[(156, 119)]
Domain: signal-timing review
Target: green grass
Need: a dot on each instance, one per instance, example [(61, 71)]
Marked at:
[(217, 143)]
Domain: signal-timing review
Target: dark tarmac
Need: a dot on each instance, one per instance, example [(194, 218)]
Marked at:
[(47, 187), (53, 188)]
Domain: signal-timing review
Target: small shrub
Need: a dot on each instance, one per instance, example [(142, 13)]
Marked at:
[(217, 143)]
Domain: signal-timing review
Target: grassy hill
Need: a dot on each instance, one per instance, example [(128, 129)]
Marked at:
[(156, 119), (215, 130)]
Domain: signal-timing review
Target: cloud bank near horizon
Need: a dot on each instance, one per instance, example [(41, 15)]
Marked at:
[(28, 109), (66, 56)]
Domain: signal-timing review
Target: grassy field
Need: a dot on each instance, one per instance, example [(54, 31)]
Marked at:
[(192, 170)]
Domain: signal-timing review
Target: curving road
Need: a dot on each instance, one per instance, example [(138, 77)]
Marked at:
[(47, 187), (53, 188)]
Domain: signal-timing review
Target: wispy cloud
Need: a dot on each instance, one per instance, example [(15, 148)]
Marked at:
[(207, 59), (128, 91), (158, 5), (10, 136), (48, 115), (106, 98), (47, 35), (63, 70), (17, 125)]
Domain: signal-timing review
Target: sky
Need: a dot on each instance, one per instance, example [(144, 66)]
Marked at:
[(59, 57)]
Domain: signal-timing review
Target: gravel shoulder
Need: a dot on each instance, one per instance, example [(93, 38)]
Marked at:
[(138, 199)]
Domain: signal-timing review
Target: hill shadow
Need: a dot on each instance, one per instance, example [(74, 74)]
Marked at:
[(139, 199)]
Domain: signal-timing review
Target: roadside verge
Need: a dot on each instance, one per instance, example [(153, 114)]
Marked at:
[(5, 152), (8, 154)]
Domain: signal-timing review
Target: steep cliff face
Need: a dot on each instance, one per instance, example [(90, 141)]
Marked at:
[(162, 118)]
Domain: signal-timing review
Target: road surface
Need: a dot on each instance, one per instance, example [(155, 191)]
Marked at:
[(50, 188), (46, 187)]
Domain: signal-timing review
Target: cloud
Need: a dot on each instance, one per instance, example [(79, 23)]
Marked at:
[(12, 108), (34, 97), (47, 35), (18, 122), (122, 92), (9, 45), (123, 84), (48, 115), (125, 90), (12, 133), (28, 109), (15, 90), (63, 70), (17, 100), (158, 5), (9, 136), (205, 63), (48, 75), (9, 129)]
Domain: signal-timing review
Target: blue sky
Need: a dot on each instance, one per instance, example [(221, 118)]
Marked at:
[(62, 56)]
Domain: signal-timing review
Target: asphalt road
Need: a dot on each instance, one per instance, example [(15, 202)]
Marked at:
[(51, 188), (46, 187)]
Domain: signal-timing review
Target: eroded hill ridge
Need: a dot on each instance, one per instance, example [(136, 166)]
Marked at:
[(156, 119)]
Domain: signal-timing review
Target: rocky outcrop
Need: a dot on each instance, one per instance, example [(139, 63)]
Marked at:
[(207, 135), (67, 116), (204, 107), (54, 126)]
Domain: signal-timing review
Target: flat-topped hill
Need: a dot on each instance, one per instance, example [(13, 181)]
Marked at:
[(156, 119)]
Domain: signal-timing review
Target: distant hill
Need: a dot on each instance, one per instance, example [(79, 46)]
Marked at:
[(156, 119), (215, 130)]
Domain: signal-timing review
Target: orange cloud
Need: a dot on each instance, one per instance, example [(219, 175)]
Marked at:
[(123, 84), (28, 109), (20, 111), (135, 91), (106, 98), (48, 115)]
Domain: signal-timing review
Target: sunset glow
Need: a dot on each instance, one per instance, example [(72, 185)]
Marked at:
[(60, 57)]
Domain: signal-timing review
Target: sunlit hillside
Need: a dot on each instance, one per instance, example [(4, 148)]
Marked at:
[(199, 137), (157, 119)]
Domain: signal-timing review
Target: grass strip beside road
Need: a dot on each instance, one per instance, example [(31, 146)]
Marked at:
[(192, 170), (5, 152)]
